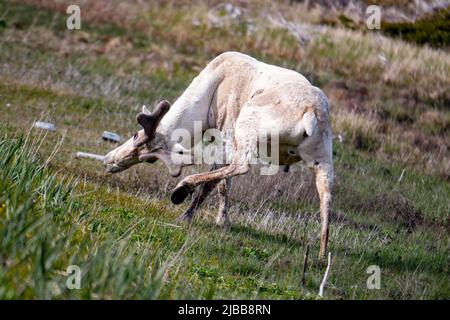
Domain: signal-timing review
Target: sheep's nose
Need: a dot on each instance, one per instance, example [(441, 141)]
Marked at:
[(107, 160), (110, 168)]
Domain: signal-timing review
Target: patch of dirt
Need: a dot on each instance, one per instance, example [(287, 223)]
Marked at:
[(338, 218), (395, 208)]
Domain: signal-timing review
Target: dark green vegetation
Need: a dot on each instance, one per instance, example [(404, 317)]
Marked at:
[(434, 29), (407, 20), (391, 205)]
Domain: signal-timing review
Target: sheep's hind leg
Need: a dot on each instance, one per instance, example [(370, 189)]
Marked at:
[(188, 184), (324, 180), (206, 189)]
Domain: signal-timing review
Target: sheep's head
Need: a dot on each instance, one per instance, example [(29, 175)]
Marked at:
[(146, 145)]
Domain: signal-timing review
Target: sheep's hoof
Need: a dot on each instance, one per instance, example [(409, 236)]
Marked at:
[(179, 194)]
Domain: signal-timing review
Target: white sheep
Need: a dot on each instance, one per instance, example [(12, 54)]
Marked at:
[(239, 93)]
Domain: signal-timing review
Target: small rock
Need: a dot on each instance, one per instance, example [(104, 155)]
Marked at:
[(111, 136), (382, 59), (45, 125)]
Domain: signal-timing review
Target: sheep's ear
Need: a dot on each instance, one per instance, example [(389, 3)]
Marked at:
[(165, 157), (309, 122)]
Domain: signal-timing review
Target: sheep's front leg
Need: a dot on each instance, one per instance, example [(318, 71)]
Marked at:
[(324, 180), (223, 187), (246, 146)]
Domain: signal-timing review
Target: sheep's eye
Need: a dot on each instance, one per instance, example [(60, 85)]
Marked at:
[(135, 136)]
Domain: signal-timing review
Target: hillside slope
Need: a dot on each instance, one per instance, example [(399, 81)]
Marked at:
[(390, 105)]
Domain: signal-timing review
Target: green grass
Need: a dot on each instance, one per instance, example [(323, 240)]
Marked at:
[(128, 247), (45, 228), (121, 229)]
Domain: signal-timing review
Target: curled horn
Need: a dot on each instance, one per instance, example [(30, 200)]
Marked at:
[(149, 121)]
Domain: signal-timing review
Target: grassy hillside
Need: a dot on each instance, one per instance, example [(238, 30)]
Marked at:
[(390, 104)]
